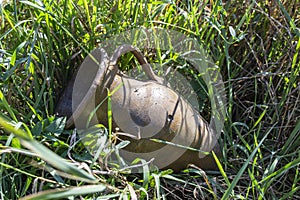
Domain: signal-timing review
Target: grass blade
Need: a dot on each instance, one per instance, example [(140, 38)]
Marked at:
[(241, 171), (46, 154), (292, 138), (65, 192)]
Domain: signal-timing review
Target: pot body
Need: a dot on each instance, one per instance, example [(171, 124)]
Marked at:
[(154, 113), (158, 122)]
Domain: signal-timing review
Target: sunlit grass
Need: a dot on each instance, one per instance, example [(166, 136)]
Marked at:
[(256, 45)]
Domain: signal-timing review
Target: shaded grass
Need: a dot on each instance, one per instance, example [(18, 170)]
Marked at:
[(256, 45)]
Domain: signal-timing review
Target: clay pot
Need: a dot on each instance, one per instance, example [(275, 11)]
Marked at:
[(146, 110)]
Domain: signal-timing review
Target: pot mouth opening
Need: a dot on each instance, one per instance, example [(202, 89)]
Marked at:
[(89, 78)]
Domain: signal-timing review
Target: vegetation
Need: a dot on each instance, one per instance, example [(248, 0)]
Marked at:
[(256, 45)]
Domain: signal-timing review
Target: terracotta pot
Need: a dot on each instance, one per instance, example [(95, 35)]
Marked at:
[(146, 110)]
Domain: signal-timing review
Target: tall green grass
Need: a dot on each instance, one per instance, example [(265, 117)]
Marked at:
[(256, 45)]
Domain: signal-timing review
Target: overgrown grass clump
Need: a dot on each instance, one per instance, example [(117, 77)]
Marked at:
[(256, 45)]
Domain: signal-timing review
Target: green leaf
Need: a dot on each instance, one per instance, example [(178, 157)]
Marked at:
[(57, 162), (232, 31), (221, 168), (46, 154), (16, 143), (294, 137), (241, 171), (57, 126), (7, 106), (33, 5), (66, 192)]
